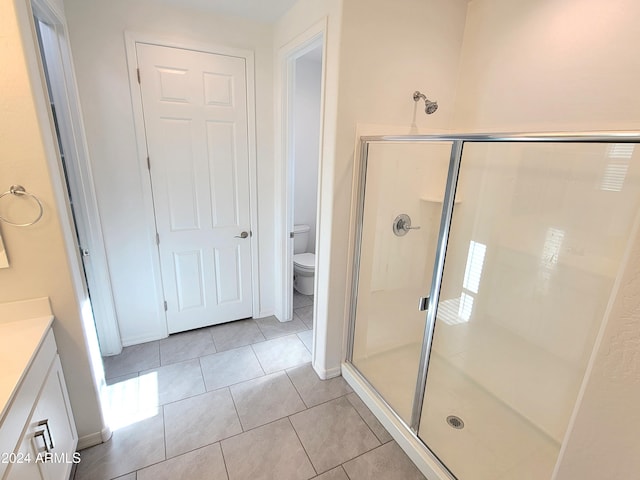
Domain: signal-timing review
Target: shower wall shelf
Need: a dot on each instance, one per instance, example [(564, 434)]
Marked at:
[(439, 200)]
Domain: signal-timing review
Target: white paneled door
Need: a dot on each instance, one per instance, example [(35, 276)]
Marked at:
[(195, 115)]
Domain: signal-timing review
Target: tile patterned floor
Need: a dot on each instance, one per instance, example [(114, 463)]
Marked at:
[(238, 401)]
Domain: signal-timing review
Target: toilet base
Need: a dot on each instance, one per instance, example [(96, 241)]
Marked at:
[(303, 284)]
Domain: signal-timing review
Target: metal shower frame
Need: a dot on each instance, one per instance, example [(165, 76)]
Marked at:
[(457, 145)]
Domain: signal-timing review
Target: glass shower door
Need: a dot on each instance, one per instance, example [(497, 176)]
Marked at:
[(537, 237), (396, 264)]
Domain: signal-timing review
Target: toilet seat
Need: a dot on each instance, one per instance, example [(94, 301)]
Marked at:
[(305, 261)]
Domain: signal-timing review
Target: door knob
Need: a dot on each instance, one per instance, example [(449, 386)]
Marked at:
[(242, 235)]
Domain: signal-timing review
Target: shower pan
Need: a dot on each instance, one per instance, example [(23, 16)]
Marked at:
[(472, 322)]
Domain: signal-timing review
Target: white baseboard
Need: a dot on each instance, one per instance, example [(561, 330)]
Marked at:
[(94, 439), (327, 374), (265, 313), (410, 443), (127, 342), (106, 434)]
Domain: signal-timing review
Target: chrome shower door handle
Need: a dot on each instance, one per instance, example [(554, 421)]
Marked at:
[(402, 225)]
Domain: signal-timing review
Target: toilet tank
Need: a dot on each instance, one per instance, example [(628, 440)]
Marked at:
[(300, 238)]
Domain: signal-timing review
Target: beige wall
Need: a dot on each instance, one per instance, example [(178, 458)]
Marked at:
[(554, 65), (289, 32), (40, 262), (388, 50), (97, 38), (549, 65)]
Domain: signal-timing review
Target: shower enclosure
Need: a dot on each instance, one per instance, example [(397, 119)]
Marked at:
[(484, 267)]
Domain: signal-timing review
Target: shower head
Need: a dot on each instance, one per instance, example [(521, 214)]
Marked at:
[(429, 106)]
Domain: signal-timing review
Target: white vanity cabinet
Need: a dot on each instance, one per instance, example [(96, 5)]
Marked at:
[(50, 437), (37, 435)]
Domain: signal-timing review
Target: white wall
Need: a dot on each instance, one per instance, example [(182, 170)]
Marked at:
[(308, 78), (554, 65), (301, 18), (97, 37), (43, 259)]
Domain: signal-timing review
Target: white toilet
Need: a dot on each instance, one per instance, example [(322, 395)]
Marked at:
[(304, 264)]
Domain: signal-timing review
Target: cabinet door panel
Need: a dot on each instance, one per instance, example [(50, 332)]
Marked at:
[(60, 431), (22, 464)]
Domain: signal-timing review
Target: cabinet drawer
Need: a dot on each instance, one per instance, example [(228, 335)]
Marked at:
[(21, 408)]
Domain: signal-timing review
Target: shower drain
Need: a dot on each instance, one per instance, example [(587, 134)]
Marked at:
[(455, 422)]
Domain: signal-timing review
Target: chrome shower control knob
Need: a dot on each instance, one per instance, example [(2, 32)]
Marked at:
[(402, 225)]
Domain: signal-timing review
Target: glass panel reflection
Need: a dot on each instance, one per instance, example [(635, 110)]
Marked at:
[(395, 271), (536, 242)]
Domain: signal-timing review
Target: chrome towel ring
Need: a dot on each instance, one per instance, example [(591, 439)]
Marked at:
[(19, 190)]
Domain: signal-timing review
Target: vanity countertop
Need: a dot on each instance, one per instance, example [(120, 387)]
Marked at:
[(20, 339)]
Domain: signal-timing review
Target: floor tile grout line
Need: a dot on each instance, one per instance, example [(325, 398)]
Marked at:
[(305, 345), (365, 422), (190, 358), (345, 470), (237, 383), (302, 444), (219, 350), (283, 334), (295, 313), (296, 388), (146, 466), (258, 359), (331, 400), (380, 444), (204, 384), (235, 408), (242, 433), (360, 455), (259, 328), (224, 460), (167, 459), (213, 339)]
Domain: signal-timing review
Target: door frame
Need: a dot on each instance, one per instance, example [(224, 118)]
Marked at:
[(133, 38), (287, 56), (80, 178)]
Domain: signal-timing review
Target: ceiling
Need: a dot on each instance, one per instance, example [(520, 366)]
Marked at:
[(267, 11)]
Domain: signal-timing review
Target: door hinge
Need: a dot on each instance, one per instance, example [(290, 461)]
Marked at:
[(290, 234), (165, 306), (157, 238), (138, 74), (148, 163)]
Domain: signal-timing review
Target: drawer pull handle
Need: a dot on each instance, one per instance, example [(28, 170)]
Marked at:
[(45, 423), (40, 433)]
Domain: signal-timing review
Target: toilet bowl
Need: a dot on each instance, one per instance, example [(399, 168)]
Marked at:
[(304, 269), (304, 263)]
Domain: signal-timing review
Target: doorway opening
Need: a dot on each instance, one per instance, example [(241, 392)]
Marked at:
[(304, 132), (303, 98), (75, 171)]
